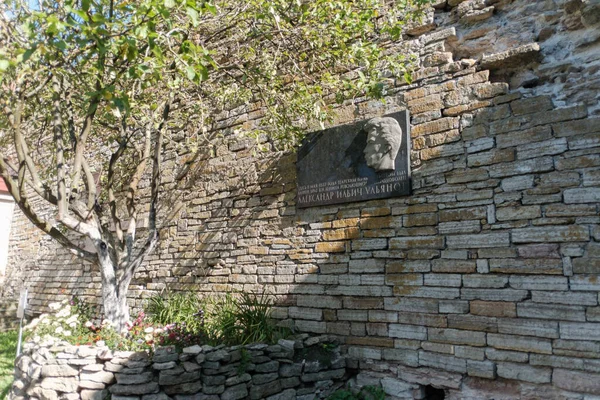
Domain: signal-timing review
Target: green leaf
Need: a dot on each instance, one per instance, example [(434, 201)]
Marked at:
[(193, 14), (190, 72), (4, 64), (170, 3)]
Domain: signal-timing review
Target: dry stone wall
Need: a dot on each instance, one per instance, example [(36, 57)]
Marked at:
[(302, 369), (485, 281)]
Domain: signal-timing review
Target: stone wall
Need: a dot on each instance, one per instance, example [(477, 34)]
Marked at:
[(303, 369), (485, 281)]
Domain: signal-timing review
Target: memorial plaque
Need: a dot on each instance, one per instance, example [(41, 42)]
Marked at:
[(366, 160)]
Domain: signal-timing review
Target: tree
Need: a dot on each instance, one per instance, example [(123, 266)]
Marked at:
[(93, 91)]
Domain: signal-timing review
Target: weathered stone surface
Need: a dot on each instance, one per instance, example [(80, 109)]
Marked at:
[(571, 233), (524, 372), (519, 343), (576, 381), (60, 384), (499, 239), (59, 371), (135, 390), (93, 394)]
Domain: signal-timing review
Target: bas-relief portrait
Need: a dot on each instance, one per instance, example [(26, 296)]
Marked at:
[(361, 161)]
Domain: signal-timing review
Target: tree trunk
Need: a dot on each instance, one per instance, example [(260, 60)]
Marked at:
[(114, 298)]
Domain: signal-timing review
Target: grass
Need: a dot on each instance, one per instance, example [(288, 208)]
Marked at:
[(8, 349)]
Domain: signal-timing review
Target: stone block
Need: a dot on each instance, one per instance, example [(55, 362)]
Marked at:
[(463, 214), (568, 298), (262, 391), (582, 195), (524, 372), (580, 331), (519, 343), (544, 148), (367, 266), (352, 315), (527, 327), (481, 369), (453, 280), (403, 266), (411, 304), (517, 183), (472, 353), (151, 387), (520, 212), (534, 165), (318, 301), (423, 242), (553, 283), (422, 319), (454, 307), (60, 384), (531, 105), (235, 392), (584, 283), (456, 336), (577, 127), (504, 355), (403, 331), (363, 353), (306, 313), (493, 309), (441, 361), (545, 234), (341, 234), (451, 227), (403, 356), (490, 157), (512, 295), (551, 311), (453, 266), (59, 371), (369, 244), (331, 247), (427, 292), (496, 239), (585, 364), (485, 281), (575, 381)]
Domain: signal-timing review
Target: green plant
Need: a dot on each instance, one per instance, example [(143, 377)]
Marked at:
[(365, 393), (242, 320), (8, 349), (244, 361), (183, 308)]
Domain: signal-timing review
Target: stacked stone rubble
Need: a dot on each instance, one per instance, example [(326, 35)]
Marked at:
[(302, 369)]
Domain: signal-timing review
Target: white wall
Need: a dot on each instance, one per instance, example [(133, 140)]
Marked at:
[(6, 211)]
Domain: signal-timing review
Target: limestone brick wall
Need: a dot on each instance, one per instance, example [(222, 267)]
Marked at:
[(485, 281)]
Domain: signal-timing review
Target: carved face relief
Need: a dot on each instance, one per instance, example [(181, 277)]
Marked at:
[(384, 137)]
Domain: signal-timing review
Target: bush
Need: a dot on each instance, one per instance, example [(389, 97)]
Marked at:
[(241, 320), (184, 309), (180, 319)]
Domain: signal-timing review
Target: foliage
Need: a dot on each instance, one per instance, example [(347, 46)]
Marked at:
[(94, 91), (8, 350), (365, 393), (169, 319), (241, 320), (72, 323), (180, 335), (184, 309)]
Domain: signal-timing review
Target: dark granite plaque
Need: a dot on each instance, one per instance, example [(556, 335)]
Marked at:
[(335, 166)]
